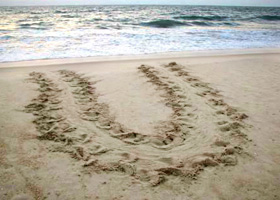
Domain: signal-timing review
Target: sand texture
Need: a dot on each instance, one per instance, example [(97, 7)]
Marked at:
[(200, 126)]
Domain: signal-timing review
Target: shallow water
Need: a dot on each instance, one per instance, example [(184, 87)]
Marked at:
[(28, 33)]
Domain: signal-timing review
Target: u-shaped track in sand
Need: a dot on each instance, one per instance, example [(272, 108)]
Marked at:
[(202, 131)]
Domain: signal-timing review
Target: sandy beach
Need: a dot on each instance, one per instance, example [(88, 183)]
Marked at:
[(189, 125)]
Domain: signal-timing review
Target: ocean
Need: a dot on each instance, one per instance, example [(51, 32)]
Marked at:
[(28, 33)]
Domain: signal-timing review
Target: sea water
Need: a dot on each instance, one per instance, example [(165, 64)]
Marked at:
[(28, 33)]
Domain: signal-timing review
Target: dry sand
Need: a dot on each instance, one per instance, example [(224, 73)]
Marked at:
[(201, 125)]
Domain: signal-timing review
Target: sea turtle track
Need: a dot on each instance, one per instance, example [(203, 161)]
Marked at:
[(230, 119), (49, 120), (90, 109), (198, 134), (194, 102), (55, 122), (174, 131), (211, 131), (86, 97)]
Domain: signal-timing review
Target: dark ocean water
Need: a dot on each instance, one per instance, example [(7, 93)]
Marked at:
[(28, 33)]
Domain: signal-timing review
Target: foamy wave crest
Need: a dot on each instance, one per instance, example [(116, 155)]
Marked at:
[(35, 25)]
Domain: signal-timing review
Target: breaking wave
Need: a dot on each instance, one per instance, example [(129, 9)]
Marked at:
[(269, 17), (163, 23)]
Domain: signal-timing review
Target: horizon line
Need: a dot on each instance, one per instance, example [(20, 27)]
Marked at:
[(142, 5)]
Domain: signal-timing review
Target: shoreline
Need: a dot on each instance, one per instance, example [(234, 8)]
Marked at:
[(144, 57)]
